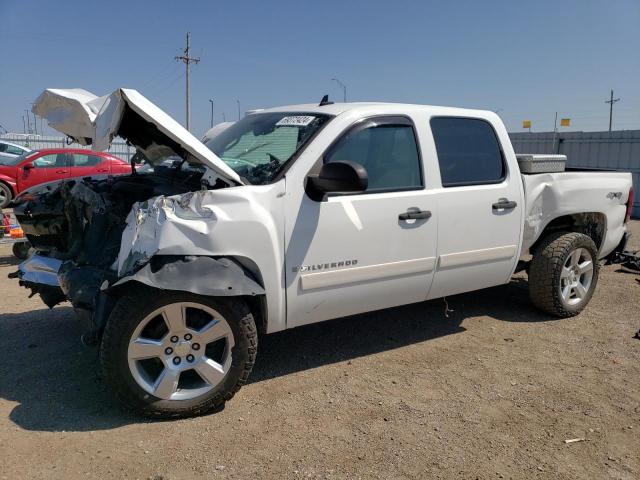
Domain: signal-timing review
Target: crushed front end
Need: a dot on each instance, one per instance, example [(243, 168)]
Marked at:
[(76, 228)]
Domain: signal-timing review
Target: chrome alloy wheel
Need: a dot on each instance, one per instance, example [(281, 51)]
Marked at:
[(576, 276), (180, 351)]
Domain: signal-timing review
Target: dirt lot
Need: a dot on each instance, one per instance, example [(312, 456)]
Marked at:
[(493, 391)]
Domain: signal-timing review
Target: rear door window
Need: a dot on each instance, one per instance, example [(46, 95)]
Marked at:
[(81, 160), (468, 151)]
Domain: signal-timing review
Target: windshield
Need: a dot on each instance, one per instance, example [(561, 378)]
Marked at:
[(13, 161), (258, 146)]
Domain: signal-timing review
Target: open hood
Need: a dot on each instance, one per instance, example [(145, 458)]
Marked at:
[(96, 121)]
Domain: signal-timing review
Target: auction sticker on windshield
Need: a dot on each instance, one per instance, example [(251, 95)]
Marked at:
[(295, 121)]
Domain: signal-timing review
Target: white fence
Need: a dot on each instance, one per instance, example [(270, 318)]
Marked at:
[(118, 148)]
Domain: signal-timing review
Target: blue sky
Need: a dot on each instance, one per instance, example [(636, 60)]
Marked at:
[(524, 59)]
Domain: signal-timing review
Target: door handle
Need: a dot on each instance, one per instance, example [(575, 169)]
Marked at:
[(103, 170), (504, 204), (62, 171), (417, 215)]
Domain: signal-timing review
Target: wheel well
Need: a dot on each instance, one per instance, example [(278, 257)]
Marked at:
[(258, 306), (246, 283), (257, 303), (592, 224), (8, 185)]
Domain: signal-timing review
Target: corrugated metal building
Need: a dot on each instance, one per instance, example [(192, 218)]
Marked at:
[(617, 150)]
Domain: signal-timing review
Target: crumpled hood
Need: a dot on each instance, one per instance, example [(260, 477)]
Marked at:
[(93, 120)]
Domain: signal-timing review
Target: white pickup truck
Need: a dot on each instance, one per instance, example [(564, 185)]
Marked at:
[(291, 216)]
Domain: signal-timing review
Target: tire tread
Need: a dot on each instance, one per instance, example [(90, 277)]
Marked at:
[(110, 372), (546, 267)]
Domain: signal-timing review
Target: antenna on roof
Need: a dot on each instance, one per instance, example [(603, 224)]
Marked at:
[(325, 101)]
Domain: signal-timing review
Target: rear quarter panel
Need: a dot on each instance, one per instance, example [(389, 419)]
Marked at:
[(552, 195)]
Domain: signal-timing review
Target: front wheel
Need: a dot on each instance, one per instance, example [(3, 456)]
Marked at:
[(178, 354), (563, 274), (6, 195)]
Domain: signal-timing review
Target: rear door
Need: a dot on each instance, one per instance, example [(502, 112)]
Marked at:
[(480, 206), (86, 164)]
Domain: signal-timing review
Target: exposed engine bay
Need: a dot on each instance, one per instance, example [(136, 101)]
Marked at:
[(80, 223)]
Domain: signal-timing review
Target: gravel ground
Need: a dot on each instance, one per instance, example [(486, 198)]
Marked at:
[(492, 391)]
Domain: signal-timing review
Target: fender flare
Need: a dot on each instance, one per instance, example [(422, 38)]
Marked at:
[(213, 277)]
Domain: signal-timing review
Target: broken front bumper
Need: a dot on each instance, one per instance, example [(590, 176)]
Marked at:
[(40, 275)]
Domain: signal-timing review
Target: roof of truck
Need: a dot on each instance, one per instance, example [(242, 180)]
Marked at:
[(338, 108)]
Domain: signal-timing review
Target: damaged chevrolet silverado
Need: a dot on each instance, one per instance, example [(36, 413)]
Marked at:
[(291, 216)]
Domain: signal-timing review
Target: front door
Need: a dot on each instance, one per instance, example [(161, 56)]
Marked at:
[(480, 207), (45, 168), (354, 253)]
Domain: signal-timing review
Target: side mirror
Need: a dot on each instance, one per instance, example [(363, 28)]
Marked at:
[(28, 166), (337, 177)]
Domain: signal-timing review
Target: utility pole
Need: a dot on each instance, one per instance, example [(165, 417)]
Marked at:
[(238, 101), (24, 125), (187, 59), (611, 101), (224, 117), (344, 89), (211, 102)]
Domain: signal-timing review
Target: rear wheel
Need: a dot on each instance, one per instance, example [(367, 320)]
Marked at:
[(179, 354), (6, 195), (563, 274)]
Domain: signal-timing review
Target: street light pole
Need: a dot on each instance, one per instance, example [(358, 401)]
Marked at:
[(211, 101), (29, 131), (344, 89), (238, 101)]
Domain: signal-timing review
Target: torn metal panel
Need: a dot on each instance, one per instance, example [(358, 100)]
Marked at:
[(197, 274), (161, 222), (128, 114)]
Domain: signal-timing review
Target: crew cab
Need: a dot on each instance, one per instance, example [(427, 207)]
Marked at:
[(295, 215), (35, 167)]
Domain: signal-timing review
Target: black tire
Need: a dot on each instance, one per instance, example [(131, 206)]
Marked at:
[(546, 268), (21, 250), (131, 309), (6, 195)]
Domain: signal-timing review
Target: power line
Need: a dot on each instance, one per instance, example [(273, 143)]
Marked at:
[(611, 101), (187, 61)]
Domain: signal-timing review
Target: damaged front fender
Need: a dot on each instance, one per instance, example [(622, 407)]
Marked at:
[(196, 274)]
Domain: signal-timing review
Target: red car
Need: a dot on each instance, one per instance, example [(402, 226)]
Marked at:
[(46, 165)]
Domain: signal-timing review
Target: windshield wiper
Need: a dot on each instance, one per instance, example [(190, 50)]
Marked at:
[(255, 147)]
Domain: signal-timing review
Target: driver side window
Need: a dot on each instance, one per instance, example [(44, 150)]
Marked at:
[(45, 161), (387, 149)]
